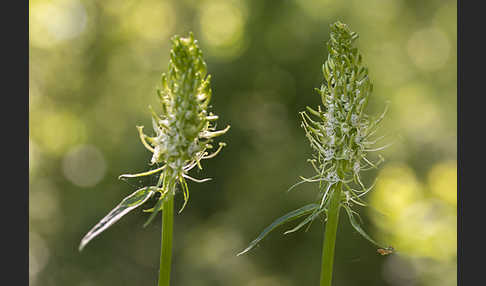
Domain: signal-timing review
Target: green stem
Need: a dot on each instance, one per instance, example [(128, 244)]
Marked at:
[(330, 236), (166, 247)]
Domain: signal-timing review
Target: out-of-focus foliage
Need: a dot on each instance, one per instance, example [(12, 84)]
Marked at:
[(95, 67)]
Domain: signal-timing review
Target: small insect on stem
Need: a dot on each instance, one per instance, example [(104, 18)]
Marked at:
[(385, 251)]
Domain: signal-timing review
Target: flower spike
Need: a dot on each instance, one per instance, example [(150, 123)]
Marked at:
[(183, 131), (339, 132)]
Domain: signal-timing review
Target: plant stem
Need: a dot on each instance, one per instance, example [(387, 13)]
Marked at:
[(330, 236), (166, 247)]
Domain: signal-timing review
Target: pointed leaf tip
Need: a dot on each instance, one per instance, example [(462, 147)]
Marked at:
[(356, 225), (281, 220), (125, 206)]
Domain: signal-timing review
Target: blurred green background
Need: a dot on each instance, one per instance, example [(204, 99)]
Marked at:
[(94, 69)]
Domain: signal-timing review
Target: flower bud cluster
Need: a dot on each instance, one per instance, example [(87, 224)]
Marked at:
[(340, 129), (184, 130)]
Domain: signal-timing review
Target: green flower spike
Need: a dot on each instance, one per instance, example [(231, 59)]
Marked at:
[(341, 134), (183, 135)]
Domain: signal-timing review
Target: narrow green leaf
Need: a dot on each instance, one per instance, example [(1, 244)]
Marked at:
[(127, 204), (281, 220), (308, 219), (358, 228)]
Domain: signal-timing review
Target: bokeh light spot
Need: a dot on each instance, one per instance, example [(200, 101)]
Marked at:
[(84, 166), (396, 189), (426, 229), (38, 256), (381, 11), (223, 26), (389, 64), (151, 20), (315, 8), (57, 131), (417, 112), (34, 154), (415, 223), (446, 18), (429, 49), (43, 201), (56, 21), (442, 180)]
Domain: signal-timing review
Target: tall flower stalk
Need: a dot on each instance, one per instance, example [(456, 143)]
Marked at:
[(183, 136), (341, 135)]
